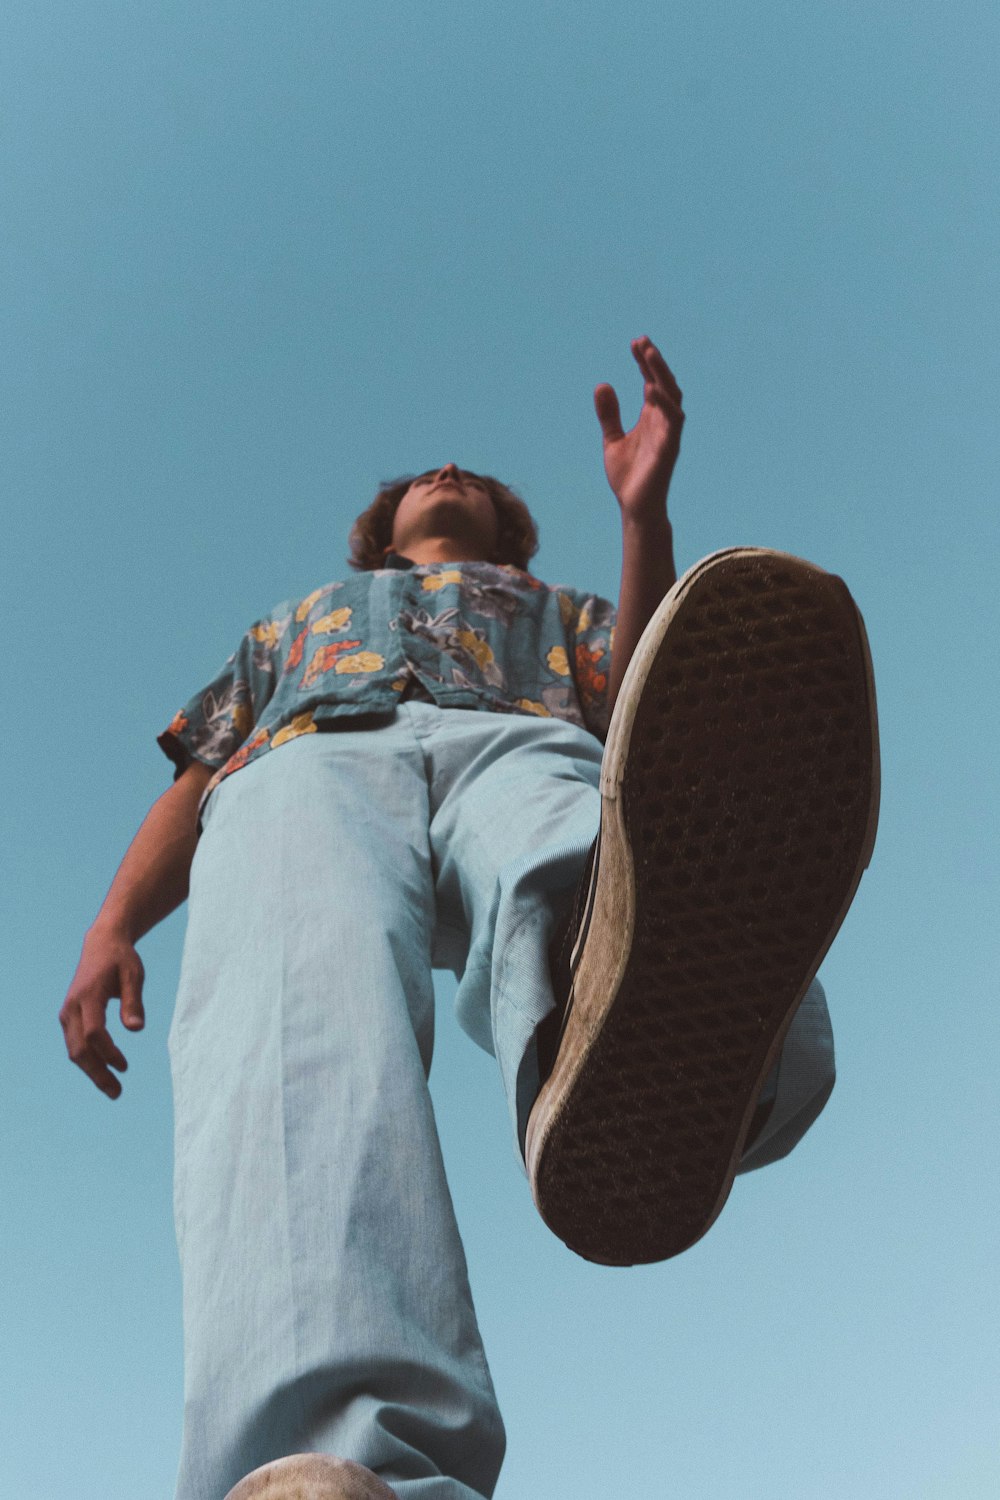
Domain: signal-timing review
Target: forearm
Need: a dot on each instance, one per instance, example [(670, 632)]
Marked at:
[(648, 573), (152, 879)]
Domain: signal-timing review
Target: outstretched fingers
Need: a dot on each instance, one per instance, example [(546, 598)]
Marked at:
[(656, 371), (660, 390)]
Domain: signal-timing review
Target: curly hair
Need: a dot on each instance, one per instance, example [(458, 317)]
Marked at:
[(371, 534)]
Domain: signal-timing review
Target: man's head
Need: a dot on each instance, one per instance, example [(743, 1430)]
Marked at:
[(446, 514)]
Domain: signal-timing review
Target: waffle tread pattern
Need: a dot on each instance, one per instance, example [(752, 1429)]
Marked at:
[(747, 799)]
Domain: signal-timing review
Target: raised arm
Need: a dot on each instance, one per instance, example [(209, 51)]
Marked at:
[(639, 465), (151, 882)]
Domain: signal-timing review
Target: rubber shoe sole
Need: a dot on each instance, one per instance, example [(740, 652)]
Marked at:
[(740, 793)]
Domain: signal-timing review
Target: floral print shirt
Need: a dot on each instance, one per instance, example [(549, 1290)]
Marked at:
[(463, 635)]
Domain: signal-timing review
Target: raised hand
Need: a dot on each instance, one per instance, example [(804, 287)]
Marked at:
[(639, 464)]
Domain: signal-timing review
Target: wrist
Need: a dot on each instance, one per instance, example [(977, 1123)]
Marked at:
[(647, 527), (110, 926)]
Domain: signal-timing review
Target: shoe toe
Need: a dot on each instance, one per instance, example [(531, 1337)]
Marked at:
[(311, 1476)]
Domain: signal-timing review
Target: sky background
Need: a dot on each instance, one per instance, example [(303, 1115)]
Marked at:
[(256, 258)]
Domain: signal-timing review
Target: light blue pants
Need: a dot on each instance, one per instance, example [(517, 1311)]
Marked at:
[(326, 1296)]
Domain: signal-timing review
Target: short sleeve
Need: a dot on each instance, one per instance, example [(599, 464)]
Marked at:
[(220, 717), (590, 628)]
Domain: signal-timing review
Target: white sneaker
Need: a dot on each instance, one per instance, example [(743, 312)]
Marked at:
[(311, 1476)]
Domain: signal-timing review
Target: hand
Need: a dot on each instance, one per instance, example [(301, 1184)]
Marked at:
[(639, 464), (109, 966)]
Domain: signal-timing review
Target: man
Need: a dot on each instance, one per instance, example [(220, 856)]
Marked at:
[(408, 770)]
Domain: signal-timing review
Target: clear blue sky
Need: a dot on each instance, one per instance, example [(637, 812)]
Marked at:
[(257, 257)]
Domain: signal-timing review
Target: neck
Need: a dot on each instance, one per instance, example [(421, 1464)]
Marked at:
[(440, 549)]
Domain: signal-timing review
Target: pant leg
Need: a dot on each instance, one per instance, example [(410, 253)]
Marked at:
[(515, 806), (801, 1083), (326, 1298)]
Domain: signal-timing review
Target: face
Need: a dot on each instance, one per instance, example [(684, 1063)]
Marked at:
[(450, 503)]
